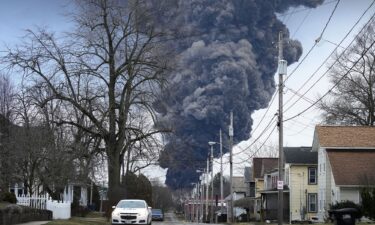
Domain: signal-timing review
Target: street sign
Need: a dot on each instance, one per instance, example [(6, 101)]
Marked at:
[(280, 185)]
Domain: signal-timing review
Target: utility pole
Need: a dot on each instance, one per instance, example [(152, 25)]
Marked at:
[(192, 209), (221, 175), (202, 195), (198, 202), (280, 183), (231, 213), (208, 169), (212, 184)]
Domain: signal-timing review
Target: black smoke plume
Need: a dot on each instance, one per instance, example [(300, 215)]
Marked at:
[(226, 61)]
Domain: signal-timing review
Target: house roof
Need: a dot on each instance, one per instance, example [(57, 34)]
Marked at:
[(352, 167), (345, 136), (263, 165), (300, 155)]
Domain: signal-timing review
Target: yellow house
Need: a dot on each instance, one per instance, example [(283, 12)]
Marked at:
[(302, 180)]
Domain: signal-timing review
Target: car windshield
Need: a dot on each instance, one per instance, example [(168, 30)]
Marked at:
[(131, 204), (156, 211)]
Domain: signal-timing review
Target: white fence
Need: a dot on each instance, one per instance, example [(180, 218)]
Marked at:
[(60, 209)]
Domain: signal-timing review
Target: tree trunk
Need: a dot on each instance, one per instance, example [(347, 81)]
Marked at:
[(115, 192)]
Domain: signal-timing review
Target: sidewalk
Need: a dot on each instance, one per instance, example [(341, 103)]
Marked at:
[(34, 223)]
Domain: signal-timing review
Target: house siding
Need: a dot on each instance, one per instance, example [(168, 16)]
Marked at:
[(259, 186), (322, 180), (299, 190), (330, 182)]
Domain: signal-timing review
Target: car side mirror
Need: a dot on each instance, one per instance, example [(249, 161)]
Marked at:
[(113, 207), (149, 207)]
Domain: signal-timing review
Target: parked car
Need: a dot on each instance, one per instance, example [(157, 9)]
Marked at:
[(131, 211), (157, 214)]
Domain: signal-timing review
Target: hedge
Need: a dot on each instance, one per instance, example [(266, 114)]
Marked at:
[(13, 214)]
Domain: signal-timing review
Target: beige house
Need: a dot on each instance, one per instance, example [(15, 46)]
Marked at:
[(346, 162), (302, 181)]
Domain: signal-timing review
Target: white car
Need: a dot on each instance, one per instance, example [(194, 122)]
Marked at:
[(131, 211)]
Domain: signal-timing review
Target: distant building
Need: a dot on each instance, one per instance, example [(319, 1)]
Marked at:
[(239, 192)]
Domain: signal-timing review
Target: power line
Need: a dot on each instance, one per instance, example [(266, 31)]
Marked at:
[(302, 22), (315, 43), (259, 148), (259, 136), (329, 19), (335, 85), (328, 57), (303, 59)]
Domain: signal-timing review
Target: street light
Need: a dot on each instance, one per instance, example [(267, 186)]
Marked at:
[(212, 143), (201, 193), (221, 171)]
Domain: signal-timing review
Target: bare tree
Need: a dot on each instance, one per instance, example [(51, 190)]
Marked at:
[(6, 96), (352, 101), (115, 58), (6, 127)]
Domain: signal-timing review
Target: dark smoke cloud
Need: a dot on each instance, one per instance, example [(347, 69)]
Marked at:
[(226, 62)]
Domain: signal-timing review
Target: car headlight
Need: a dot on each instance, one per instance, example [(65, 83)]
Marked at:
[(114, 213), (142, 213)]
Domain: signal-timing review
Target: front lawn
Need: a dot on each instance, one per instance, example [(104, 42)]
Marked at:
[(80, 221)]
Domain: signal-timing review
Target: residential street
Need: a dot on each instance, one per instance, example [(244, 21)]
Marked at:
[(170, 218)]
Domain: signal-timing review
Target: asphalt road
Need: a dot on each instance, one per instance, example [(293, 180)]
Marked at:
[(170, 218)]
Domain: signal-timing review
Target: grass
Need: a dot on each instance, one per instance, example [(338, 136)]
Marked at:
[(80, 221)]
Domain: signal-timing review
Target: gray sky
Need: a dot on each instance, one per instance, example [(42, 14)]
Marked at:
[(18, 15)]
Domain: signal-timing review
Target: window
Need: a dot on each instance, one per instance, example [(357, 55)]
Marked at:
[(312, 175), (312, 200)]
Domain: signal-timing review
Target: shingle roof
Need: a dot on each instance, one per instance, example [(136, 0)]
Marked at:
[(352, 167), (300, 155), (345, 136), (263, 165)]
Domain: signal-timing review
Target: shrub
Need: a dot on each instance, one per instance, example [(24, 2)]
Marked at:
[(8, 197), (368, 202), (78, 210)]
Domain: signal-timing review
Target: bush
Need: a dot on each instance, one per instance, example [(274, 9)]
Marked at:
[(8, 197), (77, 210), (368, 202), (14, 214), (348, 204)]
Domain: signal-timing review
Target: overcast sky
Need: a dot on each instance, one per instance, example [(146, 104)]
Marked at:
[(305, 25)]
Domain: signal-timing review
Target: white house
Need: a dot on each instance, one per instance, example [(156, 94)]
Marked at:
[(346, 162)]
